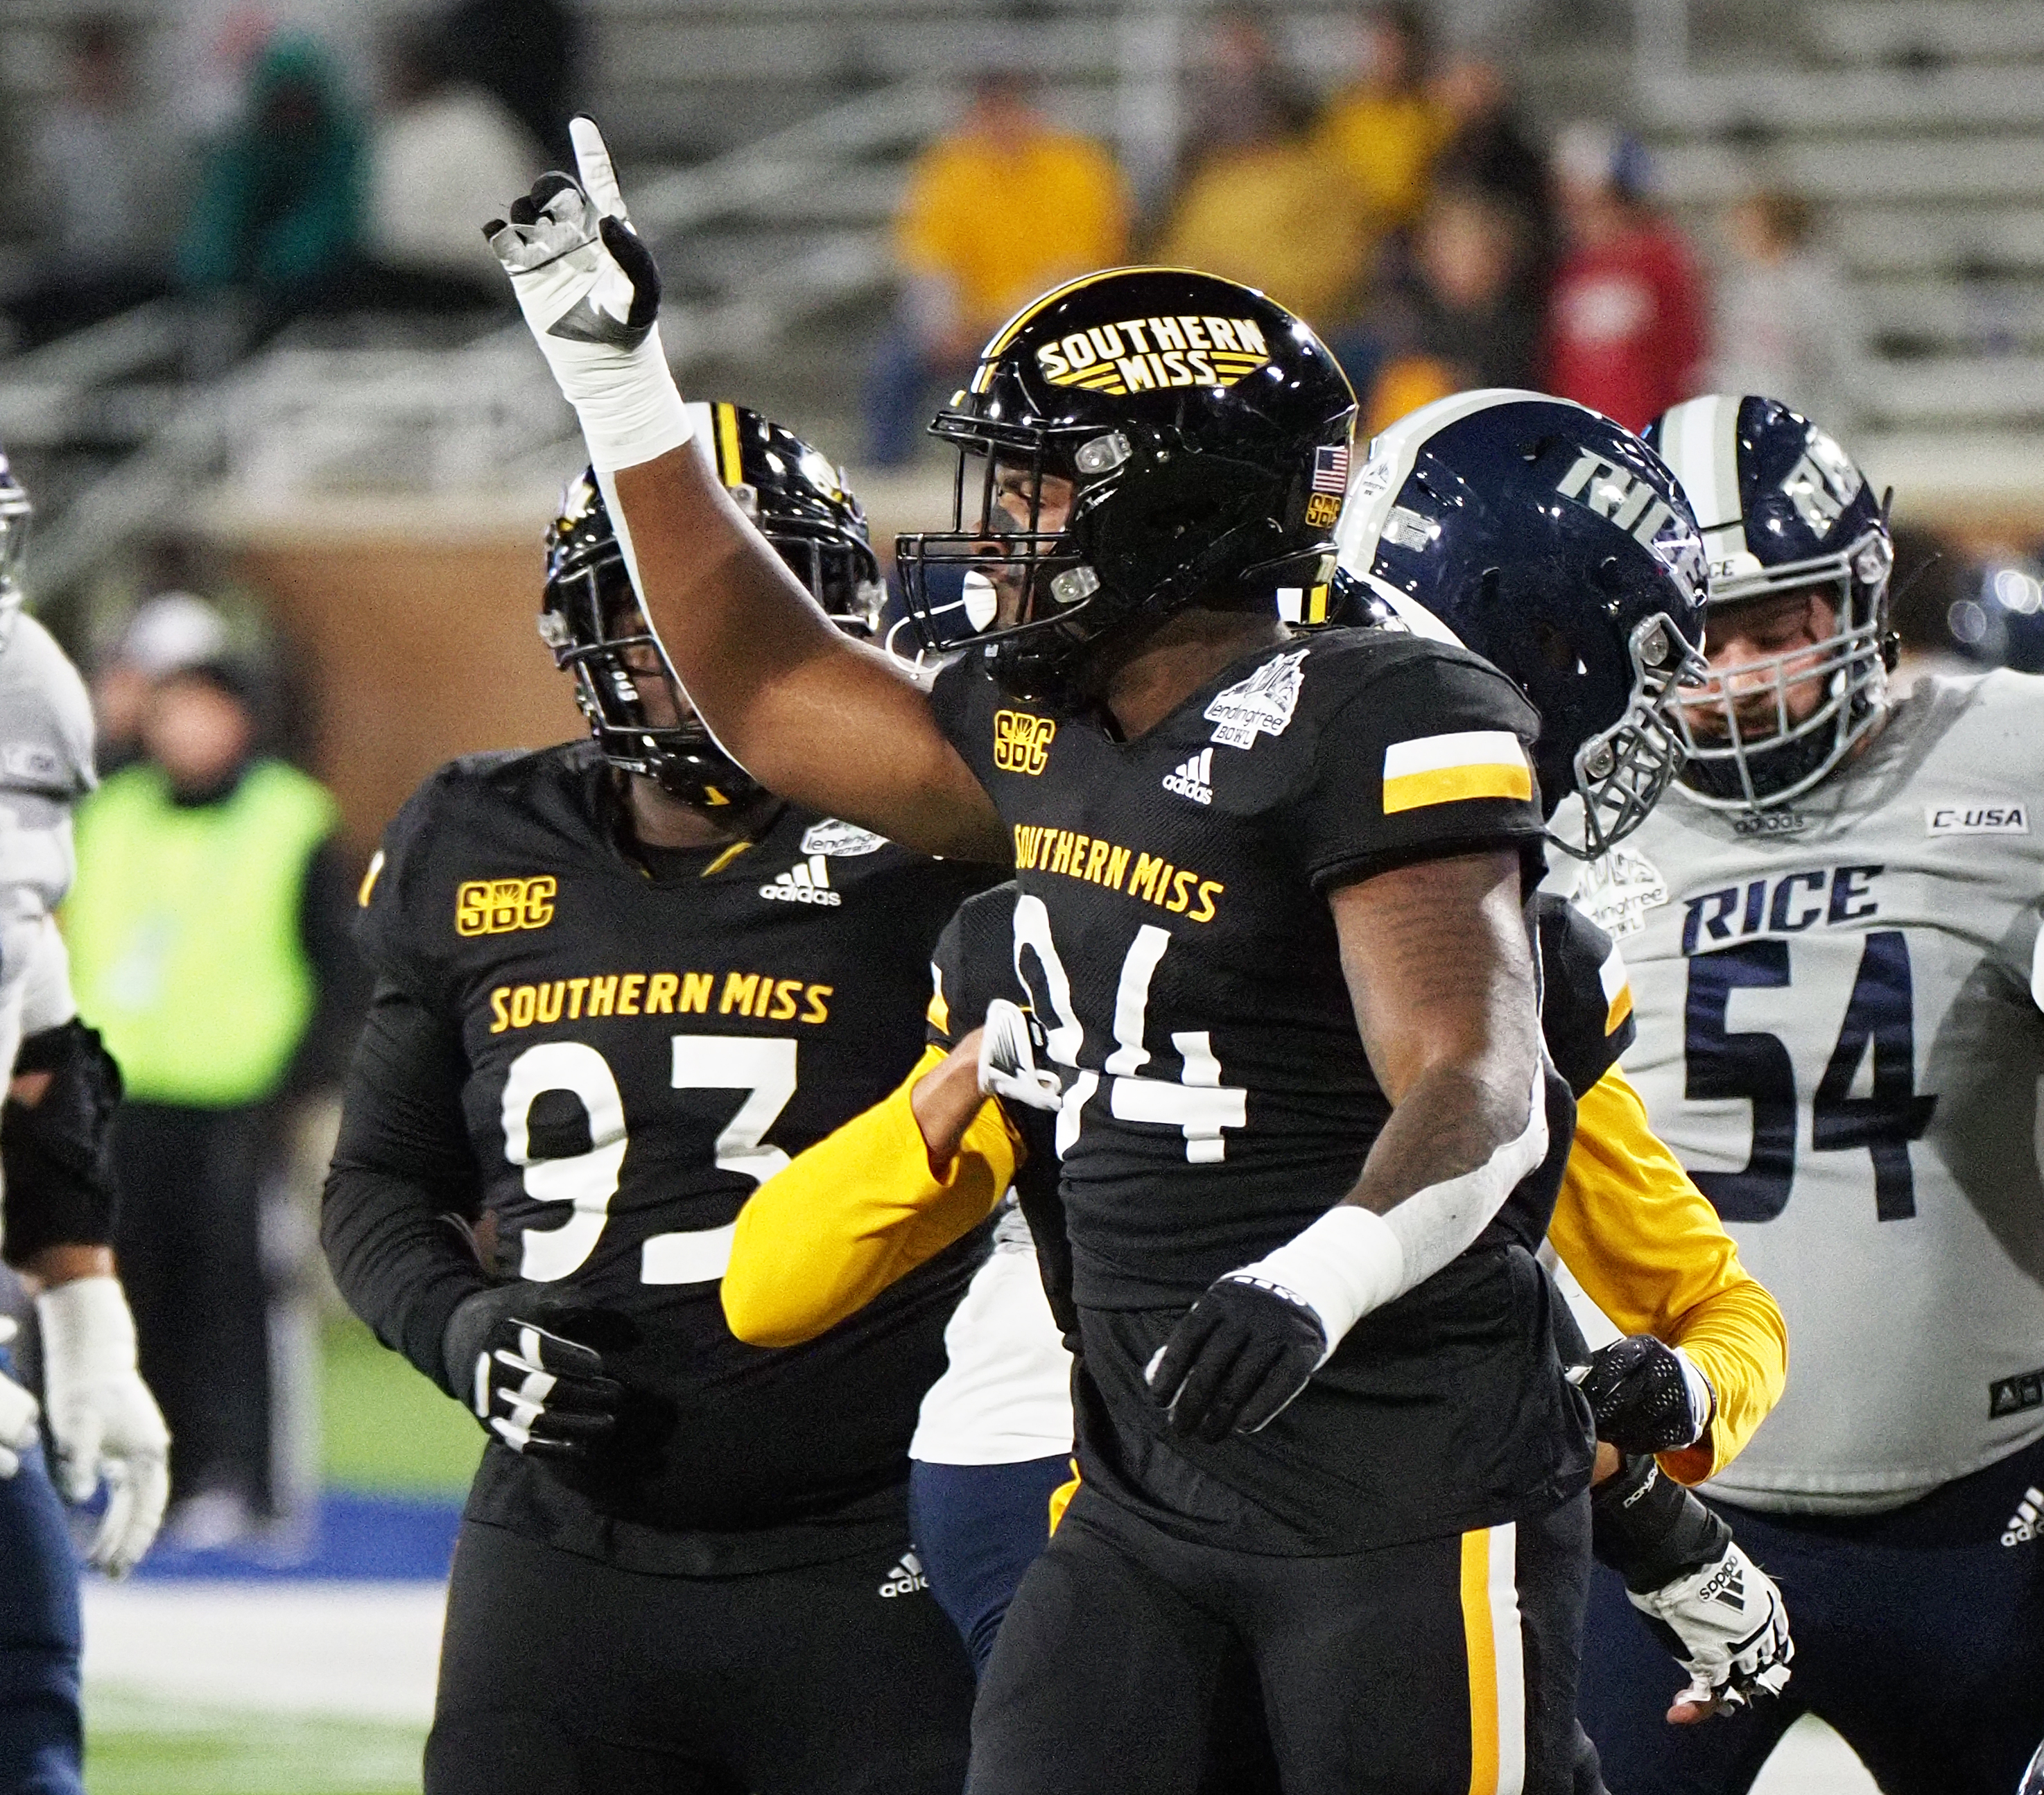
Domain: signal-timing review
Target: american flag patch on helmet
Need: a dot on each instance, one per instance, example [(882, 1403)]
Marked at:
[(1331, 469)]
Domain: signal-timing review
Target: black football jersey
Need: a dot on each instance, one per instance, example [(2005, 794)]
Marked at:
[(1172, 929), (1585, 1006), (640, 1051)]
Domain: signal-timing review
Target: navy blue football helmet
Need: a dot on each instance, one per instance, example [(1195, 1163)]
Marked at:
[(1783, 510), (1555, 545), (590, 615)]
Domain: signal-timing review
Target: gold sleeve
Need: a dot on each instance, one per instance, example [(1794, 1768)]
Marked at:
[(841, 1222), (1646, 1244)]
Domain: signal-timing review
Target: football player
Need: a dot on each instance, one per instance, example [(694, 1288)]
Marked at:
[(1832, 925), (619, 983), (59, 1215), (990, 1445), (1272, 916)]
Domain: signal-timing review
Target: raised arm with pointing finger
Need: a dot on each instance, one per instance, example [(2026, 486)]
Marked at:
[(769, 675)]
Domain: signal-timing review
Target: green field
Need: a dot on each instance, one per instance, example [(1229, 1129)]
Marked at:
[(384, 1428), (140, 1746)]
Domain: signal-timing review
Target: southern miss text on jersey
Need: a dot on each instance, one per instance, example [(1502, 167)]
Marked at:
[(635, 1054), (1173, 930), (1838, 1035)]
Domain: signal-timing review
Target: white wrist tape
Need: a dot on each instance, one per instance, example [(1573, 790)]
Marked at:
[(1353, 1260), (88, 1330), (629, 408)]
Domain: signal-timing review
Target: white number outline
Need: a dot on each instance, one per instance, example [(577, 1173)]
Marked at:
[(762, 1066), (1199, 1105)]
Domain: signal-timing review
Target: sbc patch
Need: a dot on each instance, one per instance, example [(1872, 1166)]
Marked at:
[(1021, 742), (503, 906)]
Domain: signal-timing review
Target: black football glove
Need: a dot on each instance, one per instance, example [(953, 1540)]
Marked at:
[(1646, 1397), (1243, 1351), (510, 1355)]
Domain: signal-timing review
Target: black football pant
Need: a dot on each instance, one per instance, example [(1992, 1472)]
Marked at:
[(188, 1238), (1439, 1667), (1919, 1636), (562, 1676)]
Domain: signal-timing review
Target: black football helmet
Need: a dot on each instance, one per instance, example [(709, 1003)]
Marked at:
[(590, 615), (1205, 434), (15, 512), (1783, 509), (1554, 543)]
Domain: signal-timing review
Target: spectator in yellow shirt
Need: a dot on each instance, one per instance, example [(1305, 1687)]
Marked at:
[(1271, 210), (1000, 208), (1385, 131)]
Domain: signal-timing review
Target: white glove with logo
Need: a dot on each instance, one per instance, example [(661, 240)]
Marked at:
[(590, 293), (1007, 1066), (103, 1420), (19, 1413), (1731, 1631)]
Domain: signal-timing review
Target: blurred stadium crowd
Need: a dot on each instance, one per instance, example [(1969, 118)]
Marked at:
[(286, 178)]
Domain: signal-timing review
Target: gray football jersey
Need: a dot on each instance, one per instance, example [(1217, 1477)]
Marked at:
[(45, 764), (1839, 1036)]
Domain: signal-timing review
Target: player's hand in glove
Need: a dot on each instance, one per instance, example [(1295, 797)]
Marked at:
[(510, 1356), (590, 293), (102, 1420), (1243, 1351), (19, 1413), (1726, 1625), (1646, 1397), (1009, 1040), (1246, 1348)]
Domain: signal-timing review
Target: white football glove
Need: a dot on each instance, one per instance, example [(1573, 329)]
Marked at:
[(590, 293), (19, 1413), (1732, 1630), (1007, 1058), (103, 1420)]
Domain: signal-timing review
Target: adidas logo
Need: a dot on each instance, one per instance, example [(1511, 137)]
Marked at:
[(2027, 1522), (1194, 779), (905, 1579), (808, 883), (1728, 1586)]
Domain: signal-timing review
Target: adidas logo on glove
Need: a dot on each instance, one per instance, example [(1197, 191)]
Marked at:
[(808, 883), (905, 1579), (1194, 779)]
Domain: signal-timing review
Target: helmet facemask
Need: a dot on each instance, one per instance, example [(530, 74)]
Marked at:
[(1772, 757), (626, 687), (1010, 576), (1621, 772)]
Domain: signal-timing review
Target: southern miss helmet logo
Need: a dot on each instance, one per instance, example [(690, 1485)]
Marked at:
[(1143, 354)]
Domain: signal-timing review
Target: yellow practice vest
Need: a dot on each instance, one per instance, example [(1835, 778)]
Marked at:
[(183, 928)]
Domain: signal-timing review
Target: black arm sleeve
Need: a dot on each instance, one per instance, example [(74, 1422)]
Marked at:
[(404, 1181), (59, 1187), (326, 914)]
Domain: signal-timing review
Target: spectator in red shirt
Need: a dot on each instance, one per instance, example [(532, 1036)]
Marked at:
[(1625, 317)]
